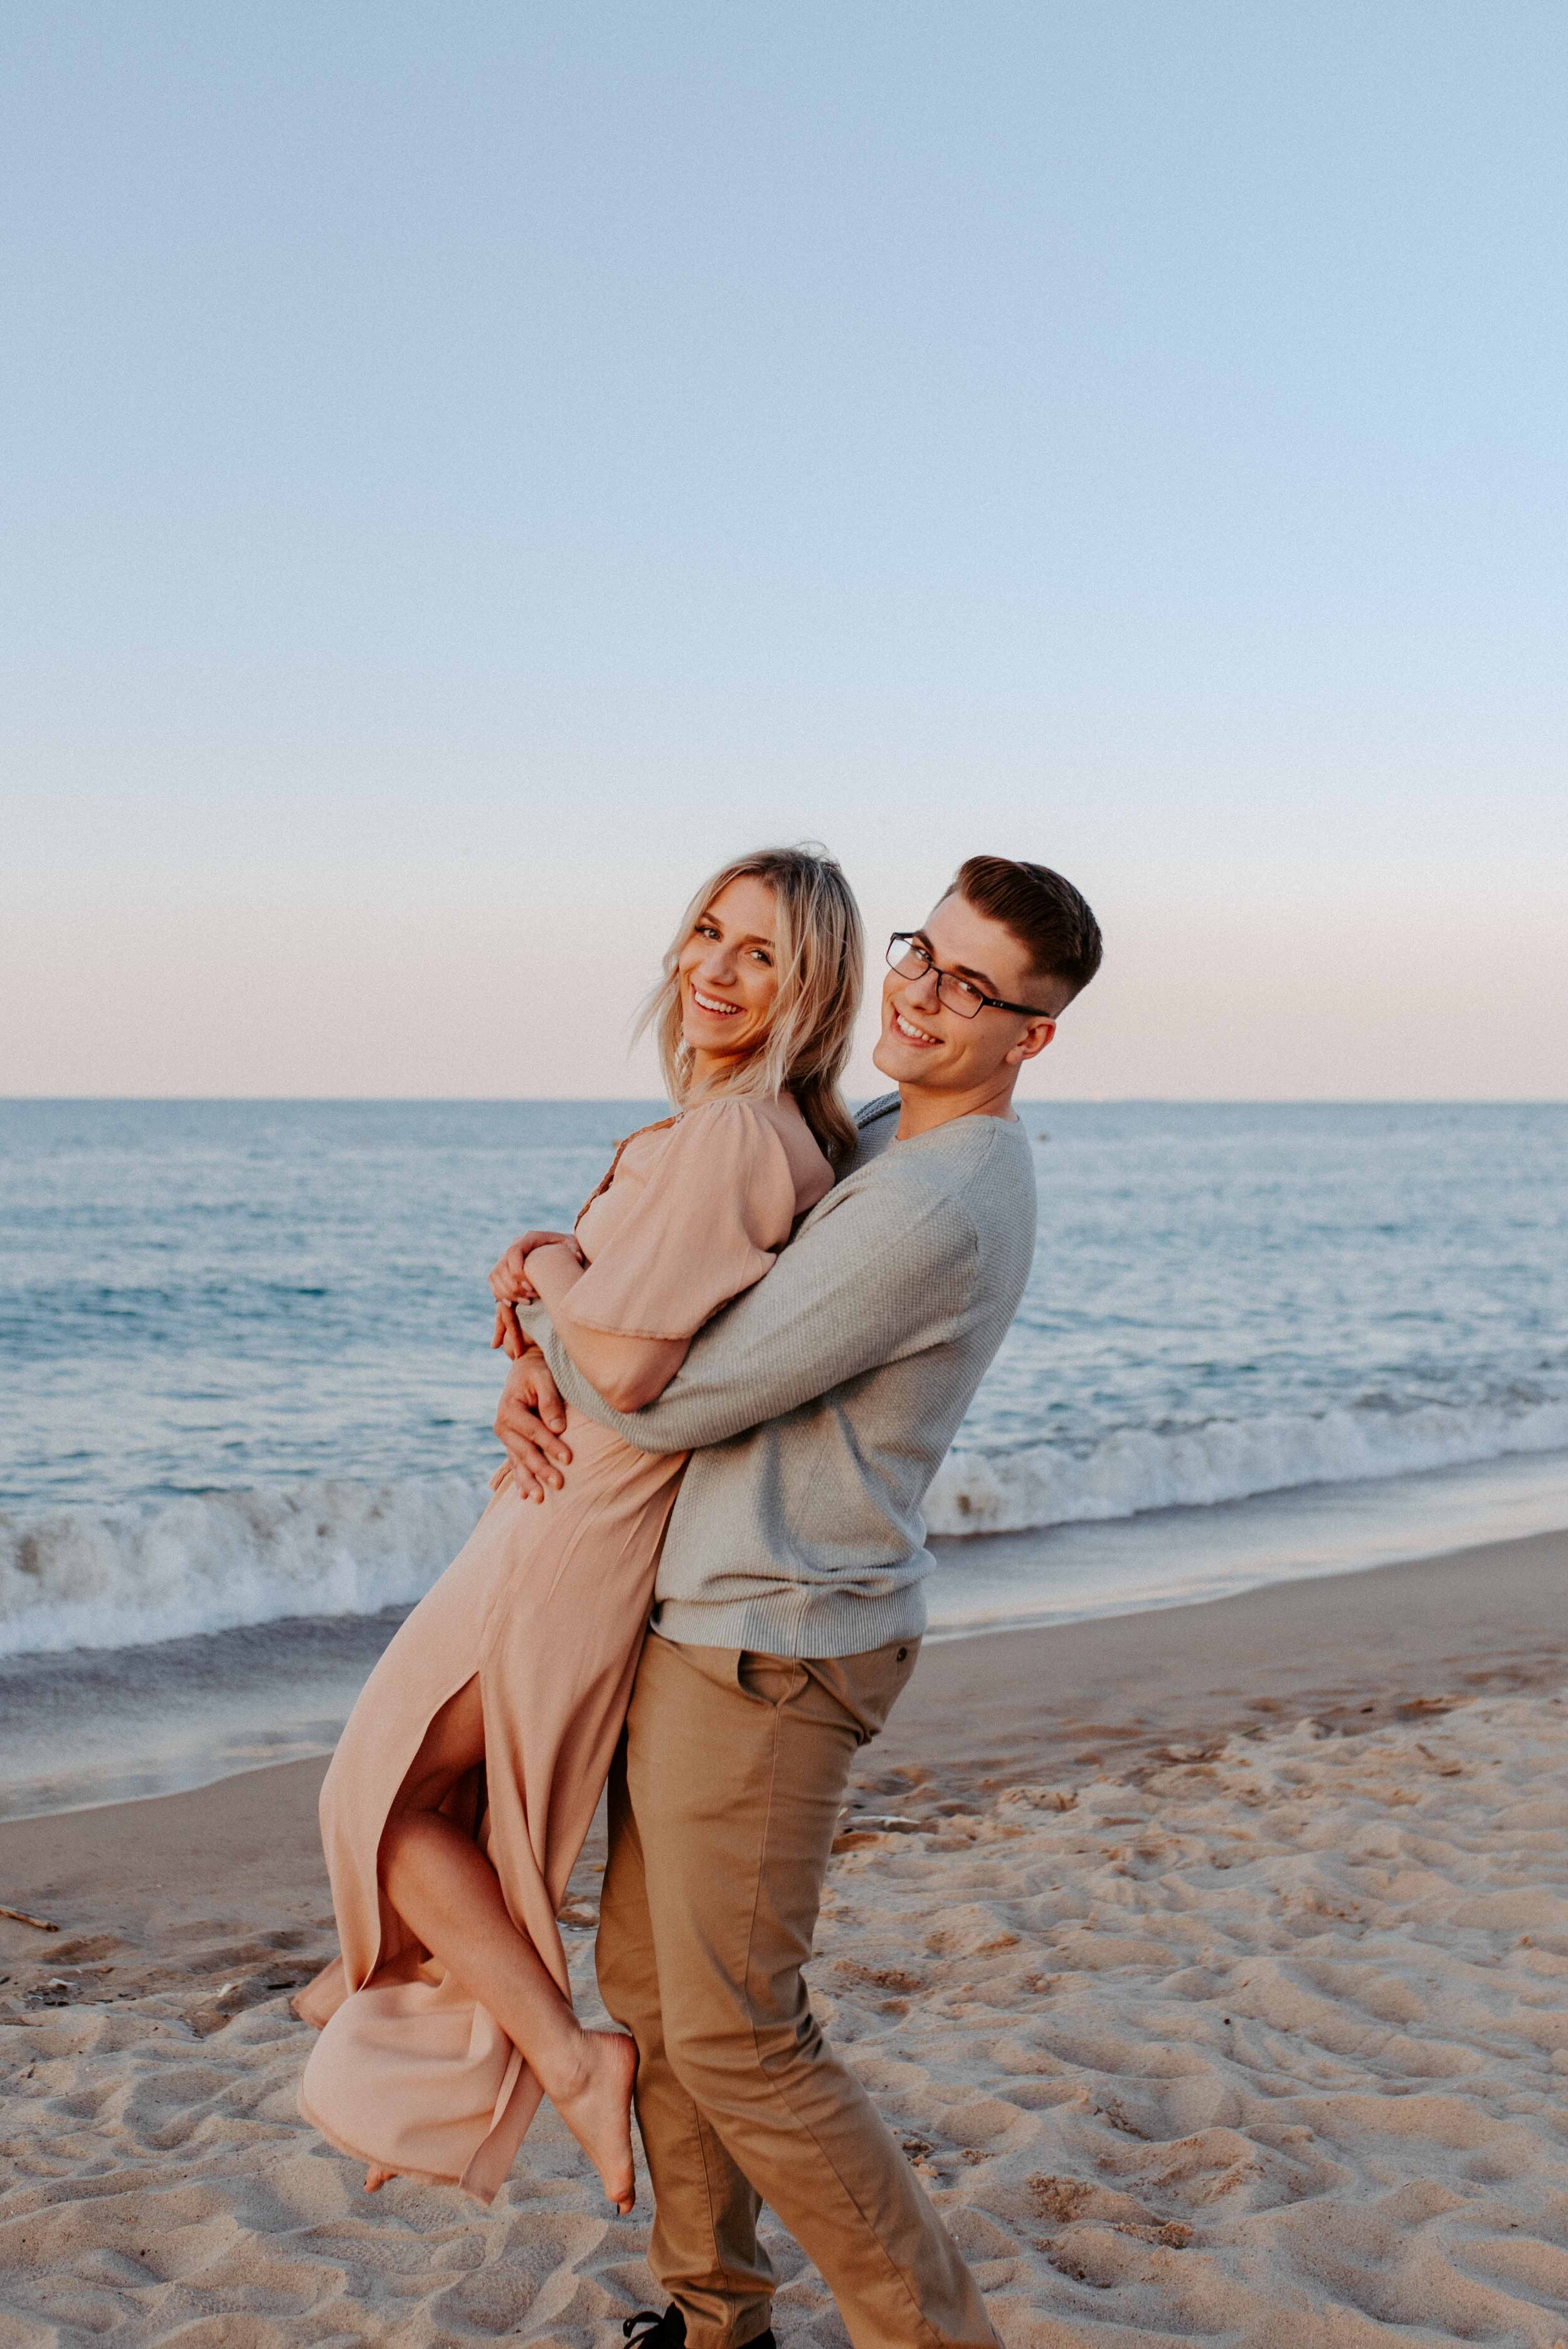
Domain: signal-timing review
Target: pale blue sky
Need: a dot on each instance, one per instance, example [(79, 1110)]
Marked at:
[(469, 468)]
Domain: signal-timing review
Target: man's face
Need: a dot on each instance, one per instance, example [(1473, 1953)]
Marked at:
[(926, 1044)]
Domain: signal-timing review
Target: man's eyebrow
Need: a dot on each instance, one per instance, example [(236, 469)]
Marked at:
[(988, 985)]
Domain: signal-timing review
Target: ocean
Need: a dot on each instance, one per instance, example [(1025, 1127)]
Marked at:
[(245, 1376)]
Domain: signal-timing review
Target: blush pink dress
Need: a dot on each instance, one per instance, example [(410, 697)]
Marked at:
[(548, 1605)]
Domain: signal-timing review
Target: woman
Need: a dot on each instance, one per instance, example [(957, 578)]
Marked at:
[(465, 1780)]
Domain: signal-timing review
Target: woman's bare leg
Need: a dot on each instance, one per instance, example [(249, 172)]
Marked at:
[(445, 1888)]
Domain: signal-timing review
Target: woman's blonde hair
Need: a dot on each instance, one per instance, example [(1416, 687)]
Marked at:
[(821, 968)]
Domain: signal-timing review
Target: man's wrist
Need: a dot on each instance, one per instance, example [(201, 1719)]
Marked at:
[(534, 1319)]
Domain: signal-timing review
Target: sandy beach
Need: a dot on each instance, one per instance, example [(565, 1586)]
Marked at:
[(1211, 1964)]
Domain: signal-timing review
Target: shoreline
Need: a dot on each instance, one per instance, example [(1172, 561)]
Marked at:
[(163, 1717), (1353, 1652), (242, 1564)]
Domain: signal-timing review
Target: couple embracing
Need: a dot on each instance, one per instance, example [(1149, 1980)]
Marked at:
[(700, 1578)]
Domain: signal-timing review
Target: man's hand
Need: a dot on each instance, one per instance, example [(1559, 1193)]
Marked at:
[(530, 1420), (509, 1284)]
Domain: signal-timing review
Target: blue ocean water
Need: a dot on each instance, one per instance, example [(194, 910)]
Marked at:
[(244, 1370)]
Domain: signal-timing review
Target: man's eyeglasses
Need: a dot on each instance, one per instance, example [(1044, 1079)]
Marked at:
[(906, 956)]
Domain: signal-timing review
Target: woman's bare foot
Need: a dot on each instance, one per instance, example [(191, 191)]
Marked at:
[(375, 2177), (598, 2109)]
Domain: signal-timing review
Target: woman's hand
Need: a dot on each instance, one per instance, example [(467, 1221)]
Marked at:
[(508, 1280), (509, 1286)]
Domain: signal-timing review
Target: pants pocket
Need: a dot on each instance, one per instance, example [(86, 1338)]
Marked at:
[(769, 1680)]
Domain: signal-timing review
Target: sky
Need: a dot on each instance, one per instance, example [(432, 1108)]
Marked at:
[(470, 469)]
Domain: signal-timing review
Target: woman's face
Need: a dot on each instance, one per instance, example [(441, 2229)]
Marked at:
[(730, 974)]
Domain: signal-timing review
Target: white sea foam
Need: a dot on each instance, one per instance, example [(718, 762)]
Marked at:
[(1136, 1469), (122, 1577)]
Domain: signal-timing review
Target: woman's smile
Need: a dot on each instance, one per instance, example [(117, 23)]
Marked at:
[(730, 975)]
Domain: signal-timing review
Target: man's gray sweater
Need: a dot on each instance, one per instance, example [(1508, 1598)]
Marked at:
[(818, 1405)]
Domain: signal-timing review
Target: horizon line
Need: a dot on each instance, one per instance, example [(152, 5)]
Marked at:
[(588, 1100)]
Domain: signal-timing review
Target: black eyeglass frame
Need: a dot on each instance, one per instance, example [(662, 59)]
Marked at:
[(983, 1002)]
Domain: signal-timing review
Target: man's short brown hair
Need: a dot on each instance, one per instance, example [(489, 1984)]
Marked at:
[(1045, 914)]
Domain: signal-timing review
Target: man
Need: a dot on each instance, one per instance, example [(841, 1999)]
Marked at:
[(788, 1615)]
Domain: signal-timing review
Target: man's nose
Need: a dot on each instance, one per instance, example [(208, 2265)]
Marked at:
[(922, 991)]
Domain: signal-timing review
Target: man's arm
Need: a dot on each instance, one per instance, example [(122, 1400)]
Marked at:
[(870, 1278)]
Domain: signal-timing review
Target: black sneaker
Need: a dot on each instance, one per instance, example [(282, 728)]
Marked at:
[(665, 2331), (668, 2331)]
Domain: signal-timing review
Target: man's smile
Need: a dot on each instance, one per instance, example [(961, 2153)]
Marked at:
[(907, 1029)]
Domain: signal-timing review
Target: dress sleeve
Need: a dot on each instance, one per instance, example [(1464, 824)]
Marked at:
[(717, 1207)]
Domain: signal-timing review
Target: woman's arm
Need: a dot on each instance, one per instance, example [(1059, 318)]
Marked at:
[(627, 1372), (868, 1280)]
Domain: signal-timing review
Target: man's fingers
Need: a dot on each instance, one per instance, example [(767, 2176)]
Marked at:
[(542, 1466), (550, 1446), (527, 1458), (531, 1406), (526, 1485), (547, 1401), (527, 1445)]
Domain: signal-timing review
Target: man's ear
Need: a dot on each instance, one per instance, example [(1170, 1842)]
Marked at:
[(1033, 1040)]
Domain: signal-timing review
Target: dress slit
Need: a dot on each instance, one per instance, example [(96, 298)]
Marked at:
[(547, 1603), (409, 2071)]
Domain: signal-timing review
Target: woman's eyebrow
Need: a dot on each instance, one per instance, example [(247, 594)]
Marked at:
[(752, 939)]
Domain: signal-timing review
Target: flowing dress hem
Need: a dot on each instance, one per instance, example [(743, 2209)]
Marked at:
[(487, 2169)]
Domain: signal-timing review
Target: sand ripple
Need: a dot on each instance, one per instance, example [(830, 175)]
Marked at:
[(1267, 2047)]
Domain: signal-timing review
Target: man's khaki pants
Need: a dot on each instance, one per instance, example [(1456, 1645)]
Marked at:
[(724, 1802)]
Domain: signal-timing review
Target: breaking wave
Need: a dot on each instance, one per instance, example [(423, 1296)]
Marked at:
[(126, 1576), (119, 1577), (1136, 1469)]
